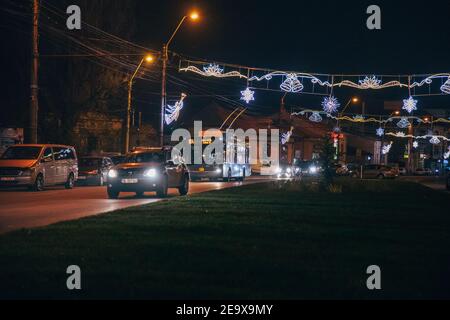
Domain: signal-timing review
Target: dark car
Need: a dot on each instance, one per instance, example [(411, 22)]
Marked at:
[(148, 170), (94, 170), (118, 159)]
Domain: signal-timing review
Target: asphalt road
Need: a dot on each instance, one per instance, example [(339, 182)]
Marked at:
[(23, 209)]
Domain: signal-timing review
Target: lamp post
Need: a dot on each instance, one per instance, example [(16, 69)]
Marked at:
[(165, 58), (148, 59)]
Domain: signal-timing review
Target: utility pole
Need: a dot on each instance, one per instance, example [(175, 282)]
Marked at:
[(165, 58), (34, 100)]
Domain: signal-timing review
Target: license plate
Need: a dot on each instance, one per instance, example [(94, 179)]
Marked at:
[(201, 170), (129, 181), (82, 178), (7, 179)]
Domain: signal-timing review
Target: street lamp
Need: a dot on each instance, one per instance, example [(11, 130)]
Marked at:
[(352, 100), (194, 16), (147, 59)]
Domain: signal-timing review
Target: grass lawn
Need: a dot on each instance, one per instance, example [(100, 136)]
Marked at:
[(256, 242)]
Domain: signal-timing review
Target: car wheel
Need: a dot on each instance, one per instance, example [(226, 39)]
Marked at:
[(163, 189), (184, 189), (113, 194), (38, 184), (229, 176), (242, 179), (70, 181)]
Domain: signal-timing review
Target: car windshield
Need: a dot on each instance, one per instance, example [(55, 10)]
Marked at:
[(145, 157), (22, 153), (90, 162)]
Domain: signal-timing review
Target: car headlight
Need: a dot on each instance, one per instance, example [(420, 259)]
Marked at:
[(279, 170), (218, 170), (313, 170), (297, 170), (113, 174), (289, 170), (150, 173)]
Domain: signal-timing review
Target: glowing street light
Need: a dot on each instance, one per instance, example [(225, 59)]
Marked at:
[(148, 59), (193, 16)]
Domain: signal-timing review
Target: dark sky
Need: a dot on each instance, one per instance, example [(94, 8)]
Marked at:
[(313, 36), (309, 36), (305, 36)]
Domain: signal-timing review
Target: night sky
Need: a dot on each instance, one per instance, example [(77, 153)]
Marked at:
[(304, 36)]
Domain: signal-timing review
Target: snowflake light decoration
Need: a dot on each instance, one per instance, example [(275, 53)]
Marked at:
[(330, 104), (213, 70), (410, 104), (248, 95), (380, 132), (446, 87), (316, 117), (387, 148), (435, 140), (292, 84), (415, 144), (173, 112), (370, 83), (403, 123)]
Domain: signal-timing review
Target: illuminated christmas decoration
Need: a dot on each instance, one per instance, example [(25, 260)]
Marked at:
[(415, 144), (447, 154), (370, 83), (380, 132), (213, 70), (435, 140), (359, 118), (410, 104), (286, 136), (173, 112), (316, 117), (292, 84), (330, 104), (446, 87), (387, 148), (248, 95), (409, 136), (403, 123)]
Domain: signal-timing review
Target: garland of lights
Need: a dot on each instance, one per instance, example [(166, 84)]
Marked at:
[(291, 82), (173, 112), (362, 119), (434, 139)]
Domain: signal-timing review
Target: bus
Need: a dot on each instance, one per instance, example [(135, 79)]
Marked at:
[(236, 164)]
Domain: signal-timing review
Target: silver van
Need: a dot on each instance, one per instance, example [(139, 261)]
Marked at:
[(38, 166)]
